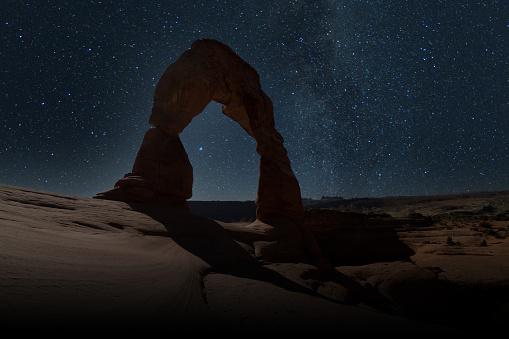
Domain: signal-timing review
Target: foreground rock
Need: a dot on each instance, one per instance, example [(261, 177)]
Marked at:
[(449, 268), (78, 263)]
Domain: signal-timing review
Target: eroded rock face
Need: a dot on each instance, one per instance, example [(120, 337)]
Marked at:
[(161, 175), (209, 71)]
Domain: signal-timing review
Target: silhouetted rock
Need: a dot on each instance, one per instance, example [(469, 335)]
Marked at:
[(211, 71), (353, 238), (162, 173)]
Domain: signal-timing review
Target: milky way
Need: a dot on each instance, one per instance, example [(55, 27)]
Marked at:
[(373, 98)]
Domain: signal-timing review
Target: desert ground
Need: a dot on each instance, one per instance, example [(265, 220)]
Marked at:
[(410, 265)]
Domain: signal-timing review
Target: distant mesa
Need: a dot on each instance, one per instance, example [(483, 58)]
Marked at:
[(331, 198), (162, 174)]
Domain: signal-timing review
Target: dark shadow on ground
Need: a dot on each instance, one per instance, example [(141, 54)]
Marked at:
[(209, 241), (363, 245)]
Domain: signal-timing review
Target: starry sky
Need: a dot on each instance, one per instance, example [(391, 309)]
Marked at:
[(373, 98)]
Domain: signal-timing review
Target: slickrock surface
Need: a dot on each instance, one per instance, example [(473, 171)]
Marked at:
[(85, 264)]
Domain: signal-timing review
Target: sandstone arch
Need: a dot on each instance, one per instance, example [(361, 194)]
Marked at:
[(209, 71)]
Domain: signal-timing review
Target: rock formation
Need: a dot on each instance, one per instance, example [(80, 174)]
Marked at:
[(162, 174)]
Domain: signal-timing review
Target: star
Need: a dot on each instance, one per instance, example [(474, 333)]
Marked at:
[(371, 99)]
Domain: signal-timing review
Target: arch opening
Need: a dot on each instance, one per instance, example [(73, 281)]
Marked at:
[(223, 156)]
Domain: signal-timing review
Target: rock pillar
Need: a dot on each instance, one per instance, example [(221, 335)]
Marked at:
[(161, 174), (278, 189)]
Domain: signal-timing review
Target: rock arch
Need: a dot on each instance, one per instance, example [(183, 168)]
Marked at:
[(162, 174)]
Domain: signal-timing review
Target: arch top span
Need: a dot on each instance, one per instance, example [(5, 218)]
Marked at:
[(210, 71), (162, 174)]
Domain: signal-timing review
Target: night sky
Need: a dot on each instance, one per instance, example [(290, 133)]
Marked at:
[(373, 98)]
